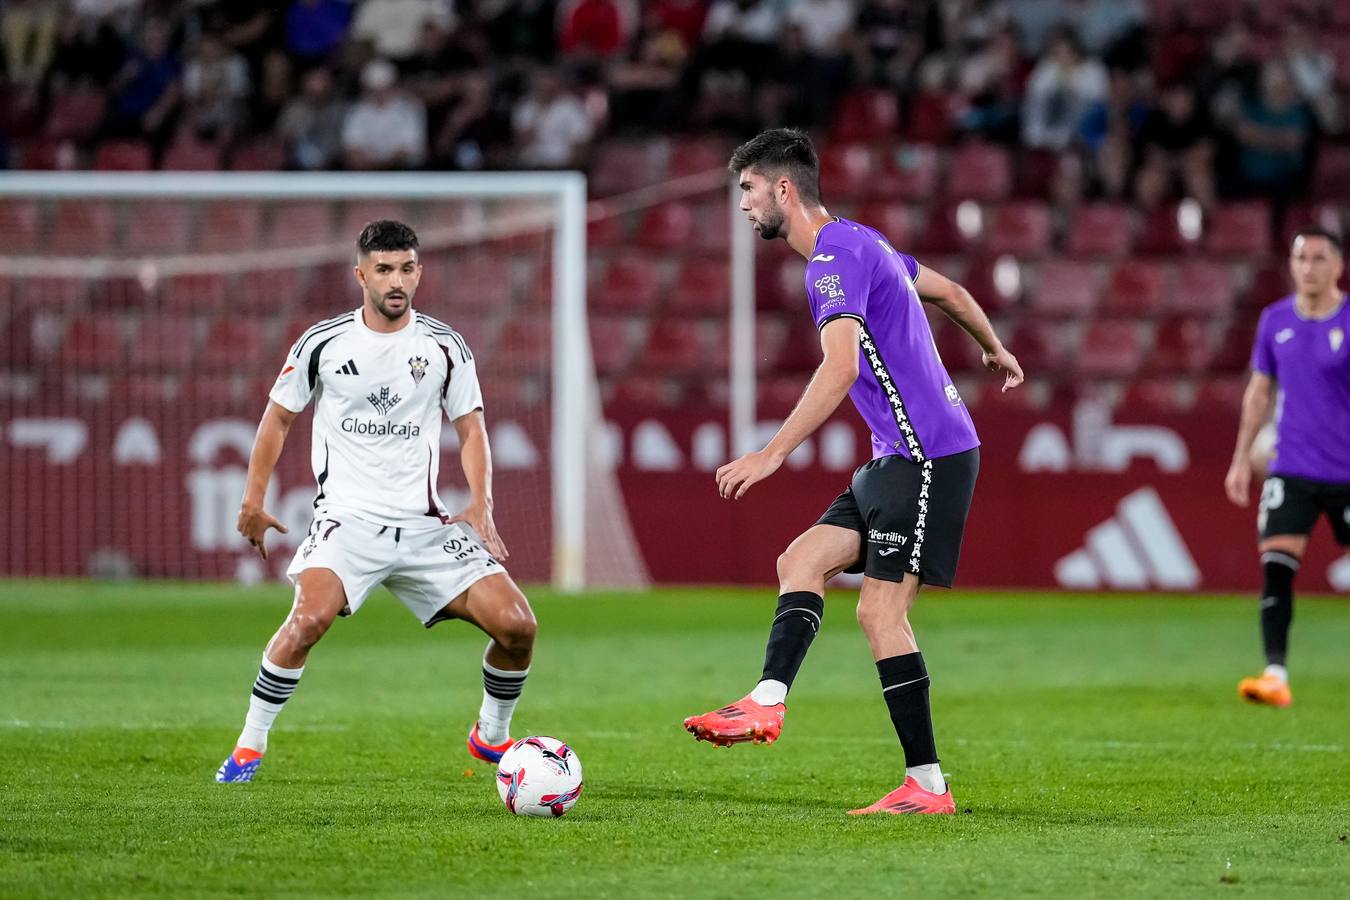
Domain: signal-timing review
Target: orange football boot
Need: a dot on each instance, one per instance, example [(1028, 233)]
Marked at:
[(1268, 689), (744, 721), (910, 799)]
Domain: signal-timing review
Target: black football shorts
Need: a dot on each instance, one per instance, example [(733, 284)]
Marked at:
[(1291, 505)]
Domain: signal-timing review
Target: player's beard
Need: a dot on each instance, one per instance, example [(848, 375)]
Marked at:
[(393, 315), (771, 225)]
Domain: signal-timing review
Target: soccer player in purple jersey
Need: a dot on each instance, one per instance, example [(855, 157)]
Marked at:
[(1301, 355), (900, 520)]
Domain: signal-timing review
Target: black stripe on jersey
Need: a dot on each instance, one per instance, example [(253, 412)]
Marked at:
[(887, 384), (314, 361), (449, 368), (433, 508), (308, 332), (321, 328), (439, 327), (323, 476), (828, 319)]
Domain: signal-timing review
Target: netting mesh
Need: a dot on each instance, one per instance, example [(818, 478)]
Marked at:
[(139, 339)]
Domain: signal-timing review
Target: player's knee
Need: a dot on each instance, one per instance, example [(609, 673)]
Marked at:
[(794, 566), (516, 631), (306, 628)]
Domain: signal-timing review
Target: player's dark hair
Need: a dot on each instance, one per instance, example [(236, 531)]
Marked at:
[(779, 152), (1330, 236), (385, 235)]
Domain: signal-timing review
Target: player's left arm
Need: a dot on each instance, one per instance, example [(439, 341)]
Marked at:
[(961, 308), (475, 456), (828, 387)]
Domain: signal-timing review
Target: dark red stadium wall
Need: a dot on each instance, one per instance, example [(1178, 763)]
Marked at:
[(1086, 522)]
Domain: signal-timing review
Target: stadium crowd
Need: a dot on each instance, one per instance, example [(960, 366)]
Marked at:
[(1133, 100)]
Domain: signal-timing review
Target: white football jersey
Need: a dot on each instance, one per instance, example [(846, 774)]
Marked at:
[(376, 444)]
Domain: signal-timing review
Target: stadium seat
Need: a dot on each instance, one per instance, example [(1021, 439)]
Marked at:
[(1154, 396), (1109, 349), (118, 293), (1239, 230), (212, 391), (621, 166), (1202, 287), (48, 155), (1161, 234), (525, 346), (20, 225), (237, 344), (1020, 228), (712, 228), (55, 291), (777, 395), (866, 114), (195, 293), (930, 119), (1269, 283), (123, 156), (629, 283), (259, 154), (75, 112), (1041, 347), (1136, 288), (1182, 345), (996, 282), (17, 350), (163, 343), (645, 391), (891, 219), (271, 291), (960, 354), (908, 172), (1234, 351), (1331, 177), (780, 280), (93, 342), (82, 228), (332, 288), (942, 233), (847, 171), (1066, 288), (979, 172), (770, 336), (667, 226), (1220, 394), (801, 347), (481, 283), (301, 225), (1036, 174), (157, 229), (359, 214), (702, 287), (1099, 230), (613, 343), (678, 347), (230, 226), (605, 227), (697, 156), (152, 391), (189, 155)]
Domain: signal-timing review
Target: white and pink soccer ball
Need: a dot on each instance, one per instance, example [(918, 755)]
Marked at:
[(539, 776)]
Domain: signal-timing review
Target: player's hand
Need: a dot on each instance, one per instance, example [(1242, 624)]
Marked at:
[(478, 516), (1238, 482), (253, 525), (1004, 362), (735, 478)]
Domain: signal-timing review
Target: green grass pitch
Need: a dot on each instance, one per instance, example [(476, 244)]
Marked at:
[(1095, 745)]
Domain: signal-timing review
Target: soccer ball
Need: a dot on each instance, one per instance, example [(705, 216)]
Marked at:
[(539, 776)]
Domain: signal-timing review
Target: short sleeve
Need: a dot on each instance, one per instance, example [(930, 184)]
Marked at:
[(836, 285), (294, 386), (911, 265), (1263, 351), (461, 394)]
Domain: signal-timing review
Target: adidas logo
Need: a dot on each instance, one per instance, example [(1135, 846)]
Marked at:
[(1138, 548), (349, 368)]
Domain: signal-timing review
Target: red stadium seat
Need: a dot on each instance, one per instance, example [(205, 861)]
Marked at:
[(1269, 283), (269, 291), (1136, 288), (942, 233), (1022, 229), (82, 228), (55, 291), (301, 225), (780, 281), (361, 213), (930, 119), (667, 226), (17, 350), (770, 337), (189, 155), (1234, 351), (93, 342), (847, 171), (801, 350), (960, 354), (697, 156), (1042, 348), (259, 154), (628, 283), (605, 228), (1161, 234), (76, 112), (1331, 177), (1182, 345), (712, 228), (1220, 394), (1065, 288), (1154, 396), (1240, 230), (1100, 230), (908, 172), (865, 115), (1110, 349), (678, 347), (979, 172), (236, 344), (164, 343), (123, 156), (157, 229), (777, 395), (196, 293), (525, 346), (994, 281), (20, 225), (1203, 287), (622, 166), (891, 219), (702, 287), (612, 343), (644, 391), (1037, 173), (231, 226), (219, 390)]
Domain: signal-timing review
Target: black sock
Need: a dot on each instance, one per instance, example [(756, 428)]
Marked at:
[(904, 684), (794, 627), (1277, 604)]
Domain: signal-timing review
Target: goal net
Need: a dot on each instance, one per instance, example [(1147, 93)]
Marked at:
[(143, 318)]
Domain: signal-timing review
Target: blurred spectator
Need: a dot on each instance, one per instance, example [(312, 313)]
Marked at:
[(1036, 21), (742, 22), (970, 24), (1274, 136), (889, 40), (28, 30), (311, 124), (215, 86), (593, 29), (552, 130), (146, 92), (85, 51), (395, 26), (385, 129), (1229, 75), (642, 89), (1101, 24), (825, 31), (1063, 87), (276, 90), (825, 25), (991, 81), (468, 136), (682, 18), (250, 27), (316, 28), (739, 50), (1312, 70), (1175, 147), (522, 29)]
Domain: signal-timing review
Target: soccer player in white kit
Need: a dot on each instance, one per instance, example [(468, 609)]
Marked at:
[(380, 377)]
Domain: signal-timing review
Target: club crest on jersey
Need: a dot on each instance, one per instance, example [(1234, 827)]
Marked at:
[(1337, 337), (382, 401), (418, 366)]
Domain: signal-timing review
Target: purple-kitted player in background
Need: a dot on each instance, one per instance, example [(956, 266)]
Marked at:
[(1301, 356), (901, 519)]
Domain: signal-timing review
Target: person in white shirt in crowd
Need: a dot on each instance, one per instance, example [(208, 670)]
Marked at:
[(386, 129), (552, 129)]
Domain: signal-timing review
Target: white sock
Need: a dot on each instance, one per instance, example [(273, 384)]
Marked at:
[(501, 692), (929, 777), (1279, 672), (769, 692), (271, 689)]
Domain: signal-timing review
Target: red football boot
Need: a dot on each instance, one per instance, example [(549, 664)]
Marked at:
[(910, 799), (744, 721)]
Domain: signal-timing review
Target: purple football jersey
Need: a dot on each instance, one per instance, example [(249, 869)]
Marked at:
[(1309, 360), (903, 392)]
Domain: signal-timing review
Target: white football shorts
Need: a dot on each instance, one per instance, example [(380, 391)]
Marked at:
[(425, 569)]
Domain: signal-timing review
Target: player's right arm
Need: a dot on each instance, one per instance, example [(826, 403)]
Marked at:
[(1255, 410), (253, 519), (961, 308)]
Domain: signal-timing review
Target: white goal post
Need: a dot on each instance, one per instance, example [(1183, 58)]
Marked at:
[(574, 405)]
